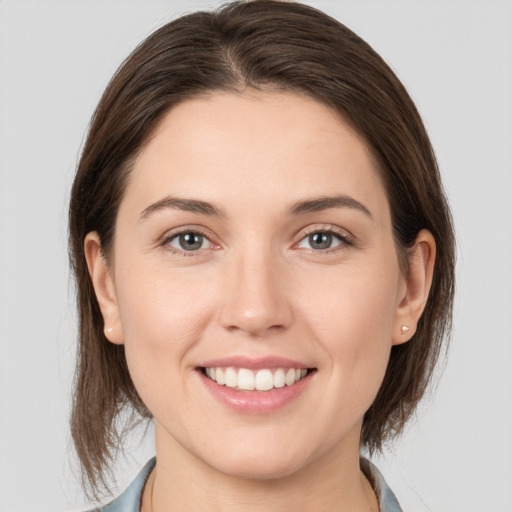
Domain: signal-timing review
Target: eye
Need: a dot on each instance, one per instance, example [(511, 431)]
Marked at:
[(188, 241), (323, 240)]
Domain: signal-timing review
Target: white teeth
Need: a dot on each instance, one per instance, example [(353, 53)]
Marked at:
[(231, 378), (290, 377), (261, 380), (220, 376), (246, 379), (264, 380), (279, 378)]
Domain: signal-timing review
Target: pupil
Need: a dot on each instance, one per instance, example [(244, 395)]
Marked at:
[(320, 240), (191, 241)]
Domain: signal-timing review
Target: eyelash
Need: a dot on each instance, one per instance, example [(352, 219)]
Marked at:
[(169, 237), (345, 239)]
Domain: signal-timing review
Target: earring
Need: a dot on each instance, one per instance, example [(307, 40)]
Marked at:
[(109, 329), (404, 329)]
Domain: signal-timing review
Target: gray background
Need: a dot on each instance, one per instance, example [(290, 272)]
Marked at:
[(455, 57)]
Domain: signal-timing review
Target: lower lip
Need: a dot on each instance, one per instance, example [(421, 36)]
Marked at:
[(255, 402)]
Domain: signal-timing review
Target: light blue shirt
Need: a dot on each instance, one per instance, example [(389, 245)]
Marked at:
[(130, 499)]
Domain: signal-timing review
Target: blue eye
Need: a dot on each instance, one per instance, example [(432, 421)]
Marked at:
[(189, 241), (321, 240)]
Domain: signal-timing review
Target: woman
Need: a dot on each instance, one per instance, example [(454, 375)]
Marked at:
[(264, 260)]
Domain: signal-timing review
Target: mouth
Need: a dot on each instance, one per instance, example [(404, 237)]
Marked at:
[(252, 379), (258, 385)]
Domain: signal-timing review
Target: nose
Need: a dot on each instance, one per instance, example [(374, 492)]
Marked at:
[(255, 300)]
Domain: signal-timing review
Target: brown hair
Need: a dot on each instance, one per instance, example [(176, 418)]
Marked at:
[(262, 44)]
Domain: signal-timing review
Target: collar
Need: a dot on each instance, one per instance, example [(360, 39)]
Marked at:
[(129, 500)]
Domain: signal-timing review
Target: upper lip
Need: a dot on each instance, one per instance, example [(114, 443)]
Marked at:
[(254, 363)]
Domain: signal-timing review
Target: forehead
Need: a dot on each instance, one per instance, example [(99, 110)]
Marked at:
[(245, 149)]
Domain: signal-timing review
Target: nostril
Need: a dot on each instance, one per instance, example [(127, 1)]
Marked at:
[(255, 330)]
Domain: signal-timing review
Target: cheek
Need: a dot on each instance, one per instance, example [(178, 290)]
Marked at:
[(160, 305), (162, 316), (351, 318), (354, 307)]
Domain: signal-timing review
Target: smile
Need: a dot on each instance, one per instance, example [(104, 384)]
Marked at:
[(265, 379), (259, 385)]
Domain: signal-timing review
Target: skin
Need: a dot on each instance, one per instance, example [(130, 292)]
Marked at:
[(257, 287)]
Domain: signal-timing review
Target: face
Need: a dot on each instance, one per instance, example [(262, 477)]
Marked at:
[(254, 248)]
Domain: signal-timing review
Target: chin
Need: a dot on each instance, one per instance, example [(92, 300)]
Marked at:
[(260, 469), (261, 459)]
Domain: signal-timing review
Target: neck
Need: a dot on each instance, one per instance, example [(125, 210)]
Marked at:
[(332, 482)]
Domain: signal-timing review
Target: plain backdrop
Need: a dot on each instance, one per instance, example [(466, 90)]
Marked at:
[(455, 58)]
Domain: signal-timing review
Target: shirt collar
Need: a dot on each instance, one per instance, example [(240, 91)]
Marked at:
[(130, 499)]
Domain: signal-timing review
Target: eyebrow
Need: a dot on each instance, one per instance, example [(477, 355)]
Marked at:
[(324, 203), (188, 205), (299, 208)]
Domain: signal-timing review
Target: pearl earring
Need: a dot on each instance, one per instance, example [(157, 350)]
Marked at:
[(405, 329), (109, 329)]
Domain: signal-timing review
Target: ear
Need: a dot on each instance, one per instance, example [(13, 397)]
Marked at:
[(103, 283), (417, 287)]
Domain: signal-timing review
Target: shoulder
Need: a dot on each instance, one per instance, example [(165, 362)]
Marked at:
[(387, 500), (129, 500)]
